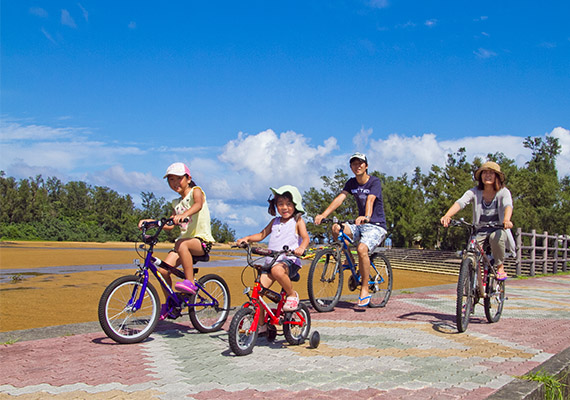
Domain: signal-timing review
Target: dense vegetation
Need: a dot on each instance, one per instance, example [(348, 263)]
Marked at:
[(38, 209)]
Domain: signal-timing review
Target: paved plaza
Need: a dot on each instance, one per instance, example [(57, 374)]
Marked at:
[(410, 349)]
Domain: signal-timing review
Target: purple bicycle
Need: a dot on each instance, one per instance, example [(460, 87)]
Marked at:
[(129, 308)]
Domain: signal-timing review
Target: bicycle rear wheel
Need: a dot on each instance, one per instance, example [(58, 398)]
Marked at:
[(242, 339), (465, 288), (116, 311), (210, 317), (380, 282), (296, 334), (494, 299), (324, 283)]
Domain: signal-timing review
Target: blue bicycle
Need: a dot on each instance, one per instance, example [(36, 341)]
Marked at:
[(129, 308), (326, 273)]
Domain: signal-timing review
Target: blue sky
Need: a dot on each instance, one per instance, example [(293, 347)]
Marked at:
[(257, 94)]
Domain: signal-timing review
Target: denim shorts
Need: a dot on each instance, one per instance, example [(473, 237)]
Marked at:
[(291, 266), (369, 234)]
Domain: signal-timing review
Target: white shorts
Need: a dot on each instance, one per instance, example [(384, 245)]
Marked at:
[(369, 234)]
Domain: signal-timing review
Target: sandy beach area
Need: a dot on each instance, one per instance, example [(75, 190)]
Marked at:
[(33, 294)]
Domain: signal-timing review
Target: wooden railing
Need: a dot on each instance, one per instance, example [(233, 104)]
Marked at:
[(541, 253)]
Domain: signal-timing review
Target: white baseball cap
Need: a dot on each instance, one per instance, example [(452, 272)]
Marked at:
[(178, 169)]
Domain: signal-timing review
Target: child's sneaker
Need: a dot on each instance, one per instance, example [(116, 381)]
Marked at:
[(292, 303), (186, 286)]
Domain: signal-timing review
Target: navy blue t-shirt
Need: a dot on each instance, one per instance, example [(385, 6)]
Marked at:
[(361, 192)]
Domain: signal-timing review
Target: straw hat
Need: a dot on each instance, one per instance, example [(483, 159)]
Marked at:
[(490, 166)]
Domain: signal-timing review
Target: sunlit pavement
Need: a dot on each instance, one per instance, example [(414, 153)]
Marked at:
[(410, 349)]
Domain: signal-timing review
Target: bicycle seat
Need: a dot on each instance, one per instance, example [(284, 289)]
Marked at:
[(204, 258), (296, 277)]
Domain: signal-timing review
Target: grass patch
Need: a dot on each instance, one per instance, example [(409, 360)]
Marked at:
[(10, 341), (522, 277), (406, 292), (553, 387)]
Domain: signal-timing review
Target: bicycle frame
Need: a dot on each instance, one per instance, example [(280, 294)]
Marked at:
[(482, 262), (151, 263), (256, 300), (345, 241)]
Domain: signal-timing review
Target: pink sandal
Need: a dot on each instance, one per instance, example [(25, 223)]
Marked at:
[(501, 276), (186, 286), (292, 303)]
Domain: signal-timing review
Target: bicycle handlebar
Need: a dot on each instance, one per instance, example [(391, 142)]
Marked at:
[(474, 227), (335, 220), (262, 251), (160, 224)]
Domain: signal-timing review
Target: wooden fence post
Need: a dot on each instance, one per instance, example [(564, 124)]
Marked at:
[(555, 264), (533, 252), (518, 263), (565, 265), (545, 254)]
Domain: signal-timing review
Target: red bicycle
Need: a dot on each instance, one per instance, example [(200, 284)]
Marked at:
[(295, 325)]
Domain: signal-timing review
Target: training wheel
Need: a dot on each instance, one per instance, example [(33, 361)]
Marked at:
[(315, 340)]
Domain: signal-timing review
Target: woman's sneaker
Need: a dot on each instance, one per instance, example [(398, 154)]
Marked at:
[(292, 303), (186, 286)]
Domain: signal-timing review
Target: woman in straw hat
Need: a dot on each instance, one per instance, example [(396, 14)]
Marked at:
[(492, 202)]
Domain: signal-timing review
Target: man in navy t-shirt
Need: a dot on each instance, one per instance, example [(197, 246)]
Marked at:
[(370, 227)]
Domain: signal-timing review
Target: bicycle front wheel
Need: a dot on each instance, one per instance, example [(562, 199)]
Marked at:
[(465, 297), (324, 283), (296, 325), (208, 315), (494, 299), (380, 282), (117, 316), (242, 339)]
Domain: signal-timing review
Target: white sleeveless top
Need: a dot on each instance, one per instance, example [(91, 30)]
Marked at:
[(284, 234)]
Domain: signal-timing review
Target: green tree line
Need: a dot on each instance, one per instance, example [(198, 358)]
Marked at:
[(414, 204), (48, 209)]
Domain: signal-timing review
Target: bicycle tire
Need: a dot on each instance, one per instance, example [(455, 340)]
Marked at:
[(242, 341), (324, 282), (116, 317), (465, 297), (296, 334), (210, 318), (494, 299), (380, 283)]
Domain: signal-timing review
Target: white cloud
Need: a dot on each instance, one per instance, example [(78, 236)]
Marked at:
[(48, 36), (12, 130), (67, 19), (484, 53), (271, 159), (132, 25), (430, 23), (39, 12), (361, 139), (563, 159), (130, 182), (84, 11), (379, 3), (398, 154)]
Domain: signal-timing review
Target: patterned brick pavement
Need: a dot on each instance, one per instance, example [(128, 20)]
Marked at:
[(410, 349)]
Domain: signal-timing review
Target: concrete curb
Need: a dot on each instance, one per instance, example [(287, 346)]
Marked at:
[(558, 366)]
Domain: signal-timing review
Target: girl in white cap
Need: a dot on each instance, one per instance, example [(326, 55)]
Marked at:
[(191, 213), (492, 202), (288, 229)]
